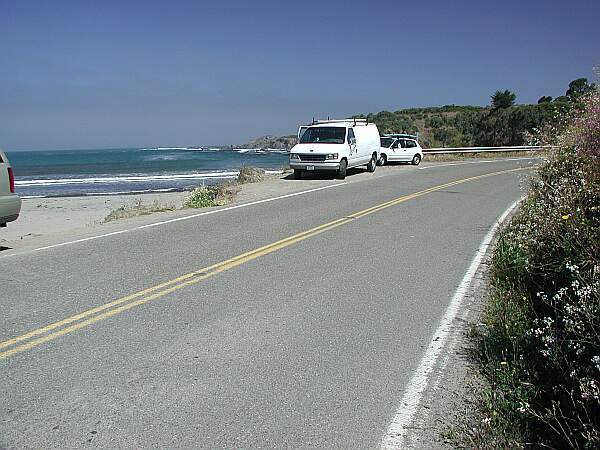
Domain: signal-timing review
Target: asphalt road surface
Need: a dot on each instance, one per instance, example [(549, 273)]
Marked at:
[(200, 333)]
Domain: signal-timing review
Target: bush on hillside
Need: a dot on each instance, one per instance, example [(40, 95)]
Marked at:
[(512, 125), (454, 126), (540, 347)]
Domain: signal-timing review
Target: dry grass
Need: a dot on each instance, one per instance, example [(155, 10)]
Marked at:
[(250, 175), (138, 208), (486, 155), (201, 197)]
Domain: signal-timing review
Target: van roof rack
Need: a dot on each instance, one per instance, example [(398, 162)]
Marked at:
[(356, 120)]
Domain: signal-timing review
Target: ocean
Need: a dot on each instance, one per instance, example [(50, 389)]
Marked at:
[(59, 173)]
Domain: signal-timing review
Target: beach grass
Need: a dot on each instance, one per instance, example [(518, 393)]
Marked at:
[(250, 175), (138, 208), (200, 197)]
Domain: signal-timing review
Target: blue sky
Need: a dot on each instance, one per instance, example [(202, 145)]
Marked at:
[(96, 74)]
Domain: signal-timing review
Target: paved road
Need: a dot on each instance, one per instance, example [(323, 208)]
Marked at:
[(306, 343)]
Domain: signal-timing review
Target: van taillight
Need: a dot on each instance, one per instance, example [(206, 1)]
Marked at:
[(11, 178)]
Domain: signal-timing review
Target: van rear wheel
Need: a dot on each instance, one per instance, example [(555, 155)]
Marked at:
[(416, 160), (382, 160), (341, 173), (372, 164), (297, 174)]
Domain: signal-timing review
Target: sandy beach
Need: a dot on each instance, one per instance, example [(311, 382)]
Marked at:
[(47, 216)]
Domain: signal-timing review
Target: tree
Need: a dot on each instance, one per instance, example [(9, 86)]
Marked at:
[(579, 87), (510, 126), (503, 99), (545, 99)]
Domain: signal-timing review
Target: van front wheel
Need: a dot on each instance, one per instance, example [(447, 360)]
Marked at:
[(372, 164), (297, 174), (341, 173)]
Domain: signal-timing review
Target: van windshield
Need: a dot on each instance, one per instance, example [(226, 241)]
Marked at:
[(386, 142), (324, 135)]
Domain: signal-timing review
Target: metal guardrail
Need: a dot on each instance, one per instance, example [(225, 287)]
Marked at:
[(448, 150)]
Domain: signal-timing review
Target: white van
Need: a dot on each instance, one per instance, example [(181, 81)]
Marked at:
[(335, 145)]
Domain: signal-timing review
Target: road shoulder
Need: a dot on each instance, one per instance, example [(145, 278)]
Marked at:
[(449, 403), (448, 412)]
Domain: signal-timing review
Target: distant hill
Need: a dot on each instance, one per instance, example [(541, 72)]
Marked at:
[(280, 143), (442, 126), (464, 126), (454, 125)]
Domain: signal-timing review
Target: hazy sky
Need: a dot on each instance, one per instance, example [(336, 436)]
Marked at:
[(96, 74)]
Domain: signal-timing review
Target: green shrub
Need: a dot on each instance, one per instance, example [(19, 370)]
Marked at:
[(540, 347), (201, 197)]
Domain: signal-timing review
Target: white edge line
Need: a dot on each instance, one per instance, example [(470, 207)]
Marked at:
[(411, 398), (178, 219)]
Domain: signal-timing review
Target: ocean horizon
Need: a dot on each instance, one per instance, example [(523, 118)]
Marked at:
[(61, 173)]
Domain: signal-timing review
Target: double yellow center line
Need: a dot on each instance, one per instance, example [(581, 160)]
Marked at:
[(86, 318)]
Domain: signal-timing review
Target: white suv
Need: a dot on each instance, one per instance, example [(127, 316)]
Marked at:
[(10, 203), (400, 147)]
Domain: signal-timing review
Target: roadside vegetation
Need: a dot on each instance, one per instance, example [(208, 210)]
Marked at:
[(200, 197), (539, 344), (208, 196), (137, 208), (484, 155), (250, 175)]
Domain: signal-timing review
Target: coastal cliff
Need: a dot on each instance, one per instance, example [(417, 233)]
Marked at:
[(277, 142)]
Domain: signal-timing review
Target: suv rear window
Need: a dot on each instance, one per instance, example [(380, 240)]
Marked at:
[(324, 135)]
